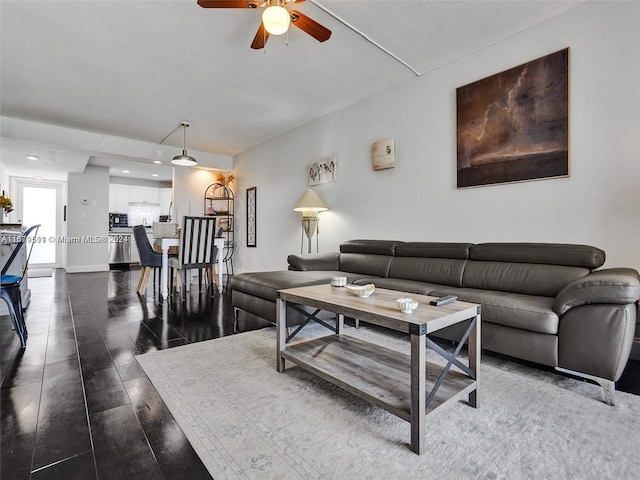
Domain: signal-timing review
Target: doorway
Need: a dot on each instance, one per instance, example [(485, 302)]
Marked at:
[(42, 202)]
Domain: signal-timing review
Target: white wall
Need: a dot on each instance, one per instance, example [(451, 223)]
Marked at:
[(599, 204), (189, 185), (89, 220)]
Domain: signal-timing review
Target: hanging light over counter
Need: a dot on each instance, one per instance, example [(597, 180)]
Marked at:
[(184, 160)]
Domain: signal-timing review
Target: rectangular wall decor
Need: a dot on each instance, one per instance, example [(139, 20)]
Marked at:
[(514, 125), (251, 217), (383, 154), (324, 171)]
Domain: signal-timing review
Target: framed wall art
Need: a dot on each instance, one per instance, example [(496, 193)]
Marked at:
[(324, 171), (383, 154), (251, 217), (514, 126)]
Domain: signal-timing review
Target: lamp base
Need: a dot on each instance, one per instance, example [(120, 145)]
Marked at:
[(309, 227)]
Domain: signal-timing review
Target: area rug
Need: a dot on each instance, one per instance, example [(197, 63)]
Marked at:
[(247, 421)]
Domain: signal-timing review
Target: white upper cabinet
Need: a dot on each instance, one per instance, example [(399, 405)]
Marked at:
[(120, 196)]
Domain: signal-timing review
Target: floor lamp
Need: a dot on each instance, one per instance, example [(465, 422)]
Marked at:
[(310, 204)]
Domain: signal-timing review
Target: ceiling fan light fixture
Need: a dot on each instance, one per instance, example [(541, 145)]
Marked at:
[(184, 160), (276, 19)]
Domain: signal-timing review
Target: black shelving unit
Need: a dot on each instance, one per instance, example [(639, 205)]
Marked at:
[(219, 202)]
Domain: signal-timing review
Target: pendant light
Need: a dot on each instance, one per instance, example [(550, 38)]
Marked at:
[(184, 160)]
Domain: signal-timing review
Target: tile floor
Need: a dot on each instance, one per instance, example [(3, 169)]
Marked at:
[(76, 405)]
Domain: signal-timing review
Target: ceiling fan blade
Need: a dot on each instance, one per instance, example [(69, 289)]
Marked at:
[(312, 27), (227, 4), (260, 39)]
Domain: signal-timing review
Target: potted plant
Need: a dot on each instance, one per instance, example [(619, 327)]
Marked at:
[(6, 205)]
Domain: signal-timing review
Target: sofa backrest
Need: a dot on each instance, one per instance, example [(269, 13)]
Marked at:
[(367, 257), (432, 262), (530, 268), (565, 254)]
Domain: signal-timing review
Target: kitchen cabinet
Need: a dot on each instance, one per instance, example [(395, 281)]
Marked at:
[(166, 195), (120, 195), (122, 198), (144, 194)]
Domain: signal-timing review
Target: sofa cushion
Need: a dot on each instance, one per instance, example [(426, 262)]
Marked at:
[(433, 250), (526, 312), (322, 261), (527, 278), (267, 284), (443, 271), (374, 247), (410, 286), (583, 256), (365, 264)]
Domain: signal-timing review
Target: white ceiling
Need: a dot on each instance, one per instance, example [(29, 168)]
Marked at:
[(136, 69)]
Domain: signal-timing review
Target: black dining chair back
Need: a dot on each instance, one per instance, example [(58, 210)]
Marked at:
[(10, 284), (149, 258)]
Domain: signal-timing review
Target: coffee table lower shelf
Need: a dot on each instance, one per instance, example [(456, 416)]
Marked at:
[(380, 375)]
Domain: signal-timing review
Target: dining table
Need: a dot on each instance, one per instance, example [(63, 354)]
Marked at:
[(165, 243)]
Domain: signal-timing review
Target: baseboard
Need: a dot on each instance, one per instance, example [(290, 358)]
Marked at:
[(86, 268)]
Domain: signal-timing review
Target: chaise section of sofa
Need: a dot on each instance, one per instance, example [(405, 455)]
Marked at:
[(544, 303)]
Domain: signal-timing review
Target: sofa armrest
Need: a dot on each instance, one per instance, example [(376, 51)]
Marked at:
[(322, 261), (618, 286)]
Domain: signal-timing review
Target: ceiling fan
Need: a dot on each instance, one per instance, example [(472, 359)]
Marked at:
[(275, 19)]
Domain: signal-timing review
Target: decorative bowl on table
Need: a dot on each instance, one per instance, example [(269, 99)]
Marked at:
[(362, 290), (407, 304)]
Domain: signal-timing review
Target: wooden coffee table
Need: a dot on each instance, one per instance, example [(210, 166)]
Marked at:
[(406, 385)]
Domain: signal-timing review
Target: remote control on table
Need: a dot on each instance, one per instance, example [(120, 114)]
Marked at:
[(443, 300)]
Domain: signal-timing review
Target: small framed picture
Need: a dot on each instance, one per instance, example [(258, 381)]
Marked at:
[(251, 217), (383, 154), (324, 171)]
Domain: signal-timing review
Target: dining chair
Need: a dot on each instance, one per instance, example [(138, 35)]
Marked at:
[(10, 284), (197, 250), (149, 258)]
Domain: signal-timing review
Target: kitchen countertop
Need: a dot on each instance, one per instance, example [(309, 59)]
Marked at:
[(125, 230)]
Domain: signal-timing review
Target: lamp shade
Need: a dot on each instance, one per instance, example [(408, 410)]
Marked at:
[(184, 160), (310, 201), (276, 19)]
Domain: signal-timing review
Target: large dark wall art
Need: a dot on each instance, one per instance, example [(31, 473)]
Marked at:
[(514, 126)]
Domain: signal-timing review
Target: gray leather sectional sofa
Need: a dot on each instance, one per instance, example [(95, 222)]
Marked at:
[(544, 303)]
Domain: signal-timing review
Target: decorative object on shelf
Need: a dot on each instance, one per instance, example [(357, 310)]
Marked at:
[(225, 178), (383, 154), (310, 205), (324, 171), (514, 125), (6, 204), (184, 160), (219, 202), (251, 217)]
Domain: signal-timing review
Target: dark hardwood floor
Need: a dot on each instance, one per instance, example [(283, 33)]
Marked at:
[(76, 405)]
